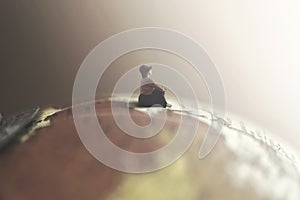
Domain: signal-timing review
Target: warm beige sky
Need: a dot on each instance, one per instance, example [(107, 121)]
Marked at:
[(255, 45)]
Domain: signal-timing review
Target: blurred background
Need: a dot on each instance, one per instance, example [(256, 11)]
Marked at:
[(254, 44)]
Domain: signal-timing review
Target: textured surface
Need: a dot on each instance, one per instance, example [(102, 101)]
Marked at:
[(53, 164), (14, 126)]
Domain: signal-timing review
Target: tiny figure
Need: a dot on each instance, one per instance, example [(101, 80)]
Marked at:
[(151, 94)]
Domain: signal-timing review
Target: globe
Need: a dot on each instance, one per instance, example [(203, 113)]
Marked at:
[(51, 162)]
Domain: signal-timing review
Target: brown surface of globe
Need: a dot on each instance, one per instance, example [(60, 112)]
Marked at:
[(54, 163)]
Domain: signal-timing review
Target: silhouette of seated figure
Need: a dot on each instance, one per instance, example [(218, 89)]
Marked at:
[(151, 94)]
